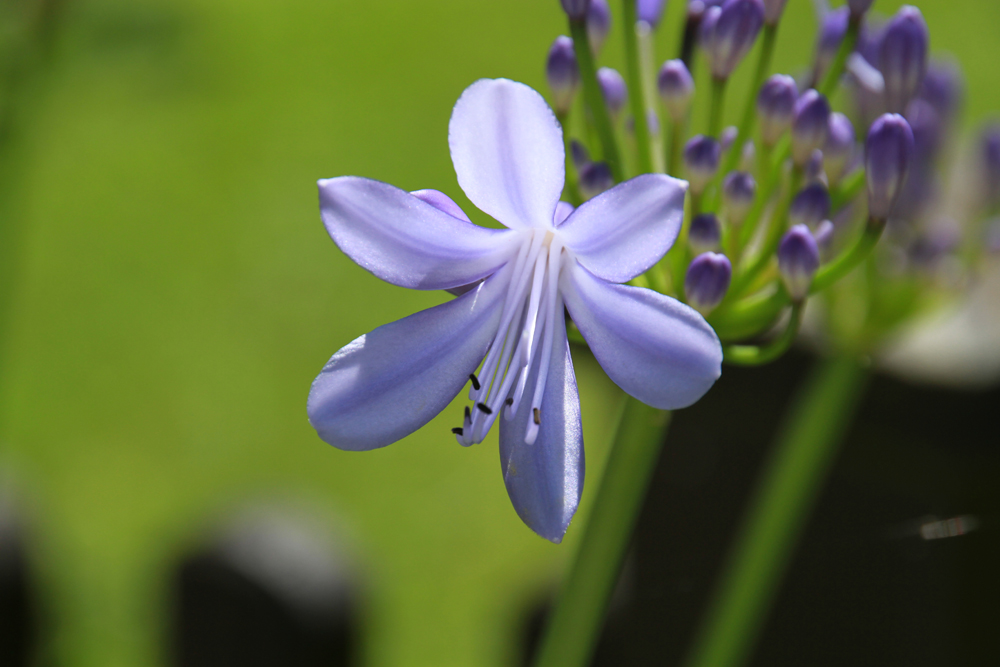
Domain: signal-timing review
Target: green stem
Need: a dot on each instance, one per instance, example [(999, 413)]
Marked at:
[(675, 147), (836, 69), (840, 267), (637, 88), (571, 191), (848, 188), (772, 176), (745, 127), (775, 229), (756, 355), (576, 622), (717, 102), (594, 99), (791, 481)]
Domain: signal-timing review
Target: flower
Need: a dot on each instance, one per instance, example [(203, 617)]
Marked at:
[(507, 149)]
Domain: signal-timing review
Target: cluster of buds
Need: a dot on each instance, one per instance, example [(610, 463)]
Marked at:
[(788, 202)]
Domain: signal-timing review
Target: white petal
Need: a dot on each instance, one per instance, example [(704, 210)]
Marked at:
[(507, 148), (545, 479), (406, 241), (654, 347), (386, 384), (623, 231)]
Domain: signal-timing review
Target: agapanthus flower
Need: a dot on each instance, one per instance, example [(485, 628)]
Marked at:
[(506, 334)]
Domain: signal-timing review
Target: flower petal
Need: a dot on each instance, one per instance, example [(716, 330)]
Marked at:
[(441, 202), (654, 347), (623, 231), (403, 239), (507, 148), (386, 384), (545, 479)]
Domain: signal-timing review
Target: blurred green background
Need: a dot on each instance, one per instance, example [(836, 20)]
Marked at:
[(175, 295)]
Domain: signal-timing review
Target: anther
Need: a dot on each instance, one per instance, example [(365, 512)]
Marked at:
[(458, 430), (485, 408), (538, 416), (475, 381), (468, 413), (509, 401)]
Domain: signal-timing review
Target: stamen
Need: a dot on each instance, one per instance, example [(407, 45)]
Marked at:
[(485, 408), (458, 430), (509, 401), (538, 416), (475, 381), (468, 413)]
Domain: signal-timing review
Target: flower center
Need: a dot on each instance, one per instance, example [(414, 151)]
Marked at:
[(524, 341)]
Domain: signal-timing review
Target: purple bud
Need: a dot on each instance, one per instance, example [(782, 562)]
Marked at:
[(595, 178), (839, 147), (943, 88), (738, 189), (798, 259), (810, 207), (728, 32), (903, 57), (888, 152), (989, 164), (650, 11), (928, 131), (576, 10), (562, 73), (859, 7), (701, 160), (824, 239), (705, 234), (728, 136), (993, 236), (773, 10), (813, 170), (598, 24), (810, 123), (776, 107), (831, 34), (707, 280), (613, 88), (676, 88)]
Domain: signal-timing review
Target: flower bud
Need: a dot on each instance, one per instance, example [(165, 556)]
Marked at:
[(810, 122), (824, 239), (776, 106), (576, 10), (839, 147), (707, 280), (613, 88), (595, 178), (728, 32), (773, 10), (810, 206), (888, 152), (859, 7), (650, 11), (701, 160), (676, 89), (943, 88), (728, 136), (562, 73), (705, 234), (903, 57), (738, 189), (798, 259), (579, 153), (598, 24), (989, 164), (831, 34)]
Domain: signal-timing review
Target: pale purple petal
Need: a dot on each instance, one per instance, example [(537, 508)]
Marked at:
[(406, 241), (563, 209), (624, 231), (545, 479), (654, 347), (507, 148), (386, 384), (441, 202)]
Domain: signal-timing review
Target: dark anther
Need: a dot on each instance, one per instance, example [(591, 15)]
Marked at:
[(475, 381), (468, 413), (538, 416), (485, 408), (510, 400), (458, 430)]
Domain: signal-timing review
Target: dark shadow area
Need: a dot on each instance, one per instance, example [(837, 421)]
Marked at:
[(897, 564), (19, 607)]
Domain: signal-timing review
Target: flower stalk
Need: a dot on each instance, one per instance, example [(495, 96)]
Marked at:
[(594, 100), (576, 621), (637, 86)]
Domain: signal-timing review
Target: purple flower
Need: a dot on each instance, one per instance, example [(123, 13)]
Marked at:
[(707, 280), (507, 149), (798, 259), (728, 32)]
